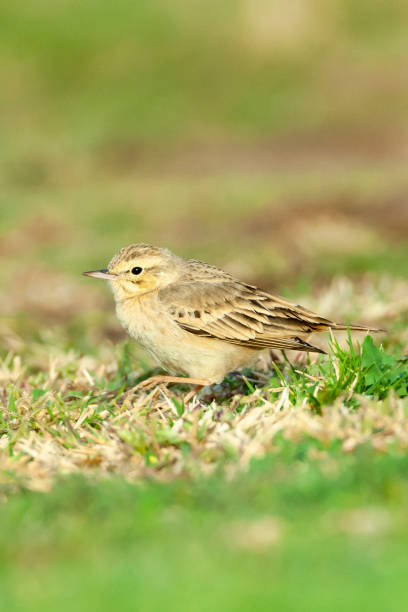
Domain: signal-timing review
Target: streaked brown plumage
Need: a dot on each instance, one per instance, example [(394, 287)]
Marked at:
[(200, 321)]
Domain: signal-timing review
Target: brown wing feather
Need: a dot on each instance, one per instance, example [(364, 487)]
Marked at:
[(240, 314)]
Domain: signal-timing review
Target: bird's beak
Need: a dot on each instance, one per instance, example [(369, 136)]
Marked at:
[(101, 274)]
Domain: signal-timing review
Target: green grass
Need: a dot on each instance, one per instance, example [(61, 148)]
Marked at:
[(365, 370), (307, 528)]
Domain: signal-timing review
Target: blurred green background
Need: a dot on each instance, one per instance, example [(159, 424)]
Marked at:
[(268, 138)]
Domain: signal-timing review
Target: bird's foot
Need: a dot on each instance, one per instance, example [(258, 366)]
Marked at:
[(153, 381)]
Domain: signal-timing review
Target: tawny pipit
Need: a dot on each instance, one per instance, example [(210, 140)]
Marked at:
[(198, 320)]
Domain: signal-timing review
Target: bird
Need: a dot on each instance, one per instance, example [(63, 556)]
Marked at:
[(198, 321)]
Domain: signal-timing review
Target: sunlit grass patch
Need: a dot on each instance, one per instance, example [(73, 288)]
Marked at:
[(65, 412)]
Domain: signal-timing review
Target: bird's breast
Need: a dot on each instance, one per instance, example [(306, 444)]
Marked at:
[(175, 349), (144, 319), (154, 329)]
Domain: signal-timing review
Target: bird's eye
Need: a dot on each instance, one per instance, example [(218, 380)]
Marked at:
[(136, 270)]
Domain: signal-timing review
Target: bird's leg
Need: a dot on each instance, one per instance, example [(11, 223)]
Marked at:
[(192, 393), (273, 356), (156, 380)]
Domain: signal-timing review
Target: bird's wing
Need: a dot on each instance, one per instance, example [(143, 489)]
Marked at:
[(240, 314)]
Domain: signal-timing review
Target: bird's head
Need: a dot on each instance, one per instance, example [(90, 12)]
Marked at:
[(139, 269)]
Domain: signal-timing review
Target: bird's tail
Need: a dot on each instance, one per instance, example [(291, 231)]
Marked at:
[(344, 326)]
